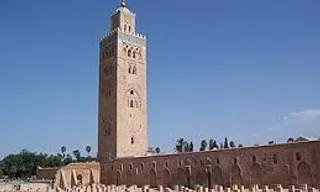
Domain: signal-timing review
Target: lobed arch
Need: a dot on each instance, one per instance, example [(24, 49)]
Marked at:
[(118, 178), (132, 51), (166, 177), (236, 174), (133, 98), (217, 175), (153, 177), (130, 177), (181, 177), (304, 173), (256, 174)]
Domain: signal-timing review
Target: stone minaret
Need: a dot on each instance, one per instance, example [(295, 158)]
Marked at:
[(122, 89)]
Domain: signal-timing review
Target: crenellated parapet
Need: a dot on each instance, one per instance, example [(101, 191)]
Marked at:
[(118, 29)]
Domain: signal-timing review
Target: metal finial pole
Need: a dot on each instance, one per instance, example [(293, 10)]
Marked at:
[(123, 3)]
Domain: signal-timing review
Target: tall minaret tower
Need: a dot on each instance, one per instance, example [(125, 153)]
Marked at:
[(122, 89)]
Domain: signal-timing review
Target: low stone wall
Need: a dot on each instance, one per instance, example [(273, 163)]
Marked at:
[(175, 188), (287, 164), (47, 173), (24, 186)]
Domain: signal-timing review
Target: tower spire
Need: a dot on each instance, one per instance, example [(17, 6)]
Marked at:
[(123, 3)]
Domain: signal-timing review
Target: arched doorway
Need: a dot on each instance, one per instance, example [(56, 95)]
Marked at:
[(79, 179), (129, 178), (199, 178), (153, 178), (118, 178), (181, 177), (304, 173), (217, 176), (256, 174), (166, 178), (236, 175)]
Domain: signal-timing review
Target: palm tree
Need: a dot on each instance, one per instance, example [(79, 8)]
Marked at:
[(63, 151), (191, 147), (180, 145), (77, 154), (232, 144), (226, 144), (211, 141), (157, 150), (88, 149), (290, 140), (221, 145), (215, 145), (204, 145)]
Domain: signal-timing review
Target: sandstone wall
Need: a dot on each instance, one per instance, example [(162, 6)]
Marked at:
[(47, 173), (286, 164), (76, 174)]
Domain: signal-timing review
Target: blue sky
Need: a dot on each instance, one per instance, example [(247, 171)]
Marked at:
[(248, 70)]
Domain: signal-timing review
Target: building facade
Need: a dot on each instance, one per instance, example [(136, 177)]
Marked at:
[(286, 164), (122, 89), (122, 142), (77, 174)]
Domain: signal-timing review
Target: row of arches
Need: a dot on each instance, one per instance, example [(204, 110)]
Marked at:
[(209, 177), (132, 69), (132, 52), (127, 28)]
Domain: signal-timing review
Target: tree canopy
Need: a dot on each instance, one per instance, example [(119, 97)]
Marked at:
[(25, 163)]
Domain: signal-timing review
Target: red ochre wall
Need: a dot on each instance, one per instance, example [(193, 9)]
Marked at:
[(286, 164)]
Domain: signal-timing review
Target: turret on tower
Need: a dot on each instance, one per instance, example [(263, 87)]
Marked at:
[(124, 19)]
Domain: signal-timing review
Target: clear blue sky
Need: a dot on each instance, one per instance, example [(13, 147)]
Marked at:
[(249, 70)]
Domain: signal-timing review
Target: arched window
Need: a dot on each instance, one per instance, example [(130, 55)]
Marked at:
[(298, 156), (129, 53), (130, 69), (125, 28), (254, 159), (235, 160), (218, 161), (129, 28), (132, 140), (131, 92), (134, 54), (134, 70), (131, 103), (275, 159), (142, 166)]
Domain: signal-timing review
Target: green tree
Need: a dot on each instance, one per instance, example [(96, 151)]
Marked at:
[(157, 150), (232, 144), (77, 155), (290, 140), (226, 144), (88, 150), (180, 146), (191, 147), (67, 160), (204, 145), (215, 145), (63, 150), (211, 147), (186, 147), (25, 163), (240, 146)]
